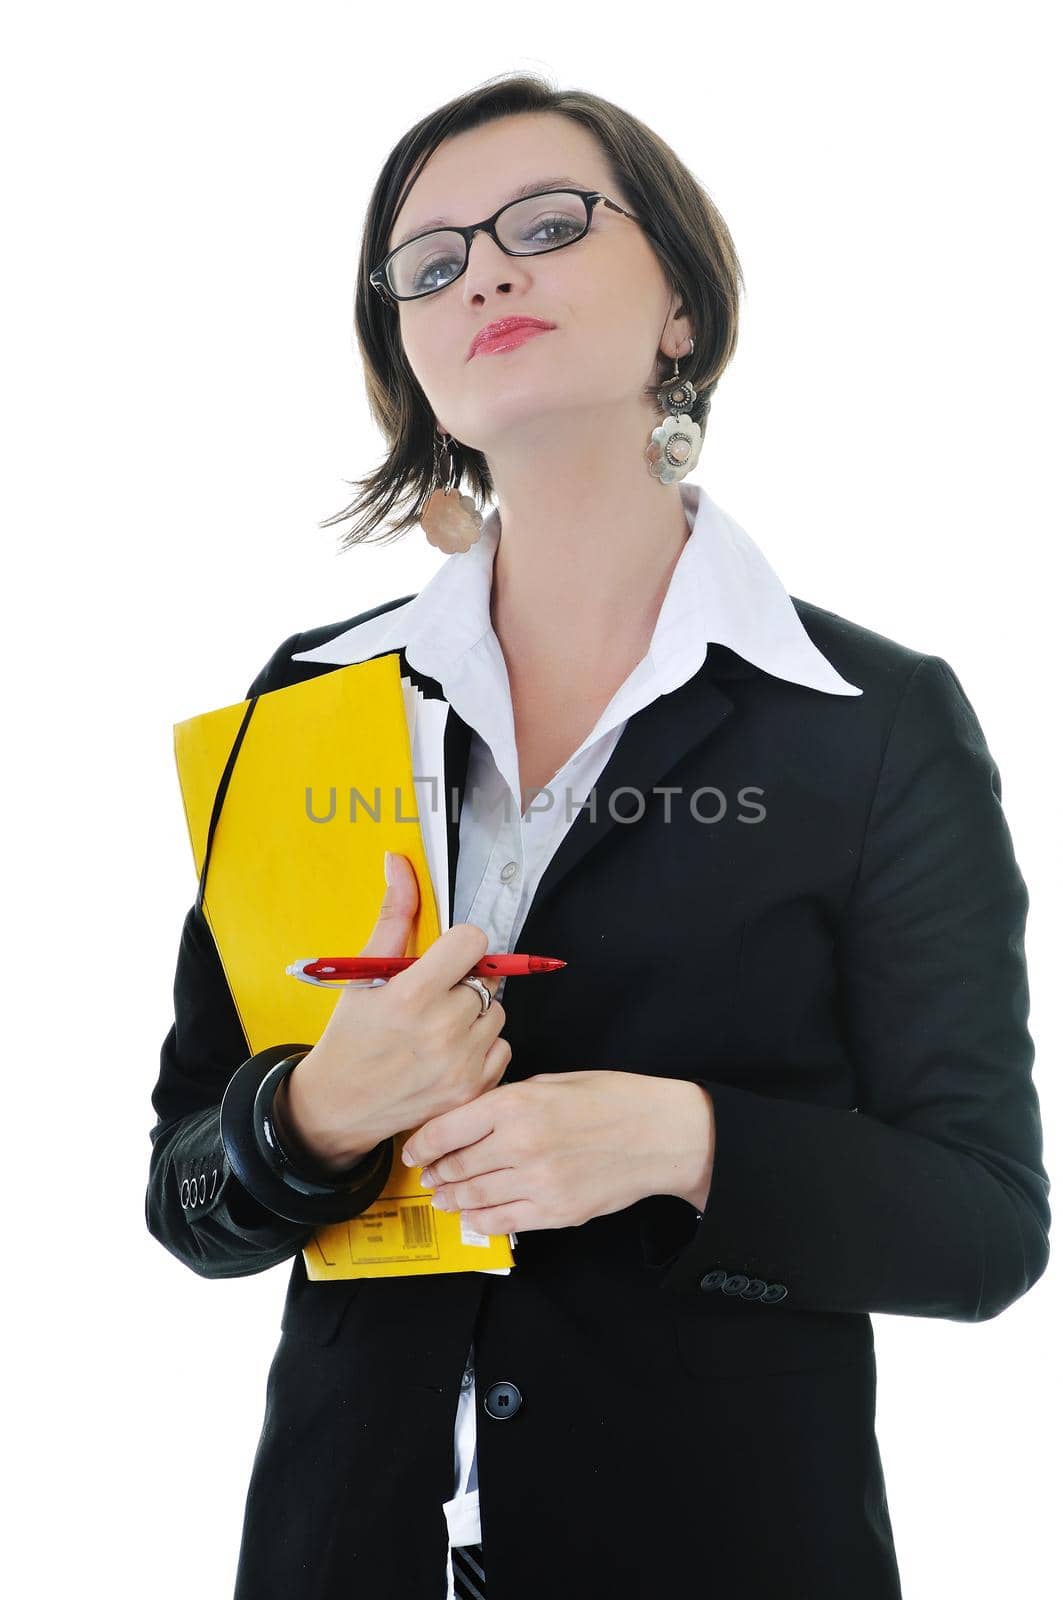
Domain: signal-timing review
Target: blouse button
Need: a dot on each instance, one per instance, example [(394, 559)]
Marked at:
[(508, 870)]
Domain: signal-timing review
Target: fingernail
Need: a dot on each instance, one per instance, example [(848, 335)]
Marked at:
[(407, 1158), (388, 868)]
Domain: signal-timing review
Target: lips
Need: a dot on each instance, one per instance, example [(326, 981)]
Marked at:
[(506, 328)]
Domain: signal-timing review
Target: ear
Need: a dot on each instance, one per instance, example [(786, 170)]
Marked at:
[(675, 338), (678, 332)]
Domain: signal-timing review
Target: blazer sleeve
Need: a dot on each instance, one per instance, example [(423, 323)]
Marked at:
[(195, 1205), (930, 1199)]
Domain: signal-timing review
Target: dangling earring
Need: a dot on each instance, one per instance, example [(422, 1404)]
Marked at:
[(450, 522), (676, 444)]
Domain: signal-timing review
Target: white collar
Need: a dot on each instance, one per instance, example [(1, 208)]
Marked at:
[(721, 579)]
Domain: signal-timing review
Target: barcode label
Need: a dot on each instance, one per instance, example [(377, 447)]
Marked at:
[(416, 1224)]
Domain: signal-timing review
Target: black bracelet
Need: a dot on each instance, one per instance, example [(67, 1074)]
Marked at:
[(267, 1171), (270, 1146)]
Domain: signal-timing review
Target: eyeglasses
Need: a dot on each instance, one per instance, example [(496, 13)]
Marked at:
[(528, 227)]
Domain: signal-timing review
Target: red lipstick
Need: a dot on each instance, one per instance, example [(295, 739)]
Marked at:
[(506, 334)]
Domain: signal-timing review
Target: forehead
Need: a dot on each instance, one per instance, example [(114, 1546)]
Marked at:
[(471, 174)]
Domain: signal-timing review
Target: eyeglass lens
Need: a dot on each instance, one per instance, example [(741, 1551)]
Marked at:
[(527, 227)]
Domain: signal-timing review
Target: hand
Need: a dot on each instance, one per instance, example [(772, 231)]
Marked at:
[(556, 1149), (394, 1054)]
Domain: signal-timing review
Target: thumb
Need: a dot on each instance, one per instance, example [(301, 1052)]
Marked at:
[(398, 908)]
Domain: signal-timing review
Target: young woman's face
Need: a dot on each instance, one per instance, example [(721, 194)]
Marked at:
[(606, 294)]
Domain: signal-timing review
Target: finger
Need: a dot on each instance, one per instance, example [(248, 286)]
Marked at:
[(452, 1130), (391, 931), (490, 984), (491, 1187), (477, 1011), (516, 1217), (498, 1057), (447, 959)]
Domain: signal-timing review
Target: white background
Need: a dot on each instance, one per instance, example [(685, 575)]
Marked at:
[(183, 196)]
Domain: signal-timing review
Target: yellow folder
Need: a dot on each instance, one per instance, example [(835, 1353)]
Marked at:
[(298, 793)]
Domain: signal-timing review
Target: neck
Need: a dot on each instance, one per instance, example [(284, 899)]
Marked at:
[(588, 543)]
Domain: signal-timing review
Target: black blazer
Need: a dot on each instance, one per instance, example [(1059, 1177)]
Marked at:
[(846, 977)]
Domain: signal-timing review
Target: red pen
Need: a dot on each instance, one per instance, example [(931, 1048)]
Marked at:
[(328, 970)]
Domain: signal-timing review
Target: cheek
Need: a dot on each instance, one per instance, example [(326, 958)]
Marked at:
[(437, 369), (628, 286), (419, 348), (614, 334)]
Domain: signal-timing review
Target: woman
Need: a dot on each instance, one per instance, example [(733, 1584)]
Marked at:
[(785, 1080)]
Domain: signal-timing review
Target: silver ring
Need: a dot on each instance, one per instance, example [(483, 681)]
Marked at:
[(482, 990)]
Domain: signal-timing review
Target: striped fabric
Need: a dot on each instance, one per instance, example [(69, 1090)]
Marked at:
[(469, 1581)]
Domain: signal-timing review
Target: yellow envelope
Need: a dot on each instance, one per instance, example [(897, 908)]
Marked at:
[(297, 794)]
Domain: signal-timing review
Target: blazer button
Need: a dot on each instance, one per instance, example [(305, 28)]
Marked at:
[(736, 1283), (774, 1291), (754, 1289), (503, 1400), (714, 1280)]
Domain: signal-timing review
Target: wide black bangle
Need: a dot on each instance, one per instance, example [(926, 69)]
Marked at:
[(263, 1166), (270, 1145)]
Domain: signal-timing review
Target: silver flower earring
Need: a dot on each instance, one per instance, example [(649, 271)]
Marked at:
[(675, 445), (450, 521)]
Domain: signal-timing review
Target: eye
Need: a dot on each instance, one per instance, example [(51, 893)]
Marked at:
[(441, 265), (554, 230)]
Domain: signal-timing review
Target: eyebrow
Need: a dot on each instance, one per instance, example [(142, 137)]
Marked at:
[(534, 186)]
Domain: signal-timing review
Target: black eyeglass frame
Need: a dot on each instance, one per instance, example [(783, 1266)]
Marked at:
[(590, 198)]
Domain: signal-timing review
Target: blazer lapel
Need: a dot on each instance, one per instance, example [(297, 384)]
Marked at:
[(654, 741), (457, 737)]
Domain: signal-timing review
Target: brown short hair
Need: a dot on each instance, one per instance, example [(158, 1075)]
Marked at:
[(684, 228)]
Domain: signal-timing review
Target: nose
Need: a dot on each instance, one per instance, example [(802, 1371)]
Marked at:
[(488, 268)]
